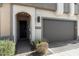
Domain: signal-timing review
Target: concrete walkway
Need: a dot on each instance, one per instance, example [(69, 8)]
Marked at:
[(74, 52), (23, 47)]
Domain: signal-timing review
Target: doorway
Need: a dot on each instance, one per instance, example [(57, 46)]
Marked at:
[(23, 33), (23, 30)]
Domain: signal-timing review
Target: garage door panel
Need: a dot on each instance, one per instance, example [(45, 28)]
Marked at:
[(58, 30)]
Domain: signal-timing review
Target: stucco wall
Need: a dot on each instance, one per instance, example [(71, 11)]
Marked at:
[(5, 17), (5, 20)]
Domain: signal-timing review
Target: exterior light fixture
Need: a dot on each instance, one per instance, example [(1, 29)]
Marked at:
[(38, 19)]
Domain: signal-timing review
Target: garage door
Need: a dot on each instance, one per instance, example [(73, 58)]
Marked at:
[(58, 30)]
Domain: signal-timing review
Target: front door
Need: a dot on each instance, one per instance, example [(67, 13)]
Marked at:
[(23, 29)]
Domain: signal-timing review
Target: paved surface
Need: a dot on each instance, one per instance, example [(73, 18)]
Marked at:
[(32, 53), (69, 48), (57, 47), (22, 47), (74, 52)]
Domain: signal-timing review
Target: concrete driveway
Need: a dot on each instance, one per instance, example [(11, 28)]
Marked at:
[(60, 48), (73, 52)]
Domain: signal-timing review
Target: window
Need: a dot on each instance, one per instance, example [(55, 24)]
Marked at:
[(66, 7), (76, 6)]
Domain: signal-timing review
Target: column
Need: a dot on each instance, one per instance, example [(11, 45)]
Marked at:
[(60, 8), (72, 9)]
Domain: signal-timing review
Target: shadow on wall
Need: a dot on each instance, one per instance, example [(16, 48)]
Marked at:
[(6, 38)]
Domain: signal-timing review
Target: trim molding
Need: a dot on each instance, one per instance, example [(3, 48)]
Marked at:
[(34, 7)]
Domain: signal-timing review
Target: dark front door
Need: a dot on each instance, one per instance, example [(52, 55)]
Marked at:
[(23, 29)]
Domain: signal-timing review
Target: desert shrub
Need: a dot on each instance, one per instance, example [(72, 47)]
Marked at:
[(41, 47), (7, 48)]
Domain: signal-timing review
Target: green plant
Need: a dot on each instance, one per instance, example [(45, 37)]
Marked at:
[(7, 48), (38, 41)]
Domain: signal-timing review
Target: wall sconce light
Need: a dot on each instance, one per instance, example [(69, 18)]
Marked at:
[(38, 19)]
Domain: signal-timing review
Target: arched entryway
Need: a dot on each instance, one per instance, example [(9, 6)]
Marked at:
[(23, 25), (23, 33)]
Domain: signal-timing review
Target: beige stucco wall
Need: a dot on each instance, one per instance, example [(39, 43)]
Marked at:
[(5, 17), (5, 20)]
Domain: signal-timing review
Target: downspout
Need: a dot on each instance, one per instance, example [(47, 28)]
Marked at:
[(0, 18), (11, 22), (0, 21)]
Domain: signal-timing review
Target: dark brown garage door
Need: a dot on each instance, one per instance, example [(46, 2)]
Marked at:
[(58, 30)]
